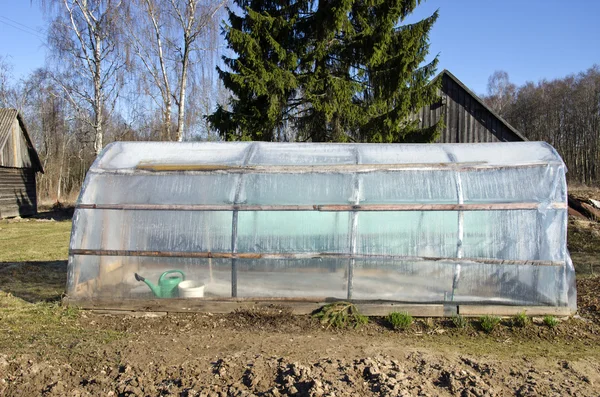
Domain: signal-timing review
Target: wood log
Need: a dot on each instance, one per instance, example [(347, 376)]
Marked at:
[(576, 204), (594, 214)]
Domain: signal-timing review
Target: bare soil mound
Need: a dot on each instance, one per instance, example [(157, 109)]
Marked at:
[(416, 373)]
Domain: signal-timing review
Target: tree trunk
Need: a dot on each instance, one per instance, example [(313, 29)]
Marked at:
[(168, 121), (183, 85), (98, 95), (60, 170), (59, 188), (166, 91), (99, 133)]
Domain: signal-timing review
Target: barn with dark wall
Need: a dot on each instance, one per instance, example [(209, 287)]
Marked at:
[(19, 164), (466, 117)]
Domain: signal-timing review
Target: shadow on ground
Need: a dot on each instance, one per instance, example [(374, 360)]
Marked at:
[(55, 213), (34, 281)]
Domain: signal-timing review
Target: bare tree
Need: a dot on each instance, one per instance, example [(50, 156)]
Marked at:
[(565, 113), (13, 94), (147, 30), (47, 115), (196, 25), (169, 39), (5, 69), (84, 36), (501, 91)]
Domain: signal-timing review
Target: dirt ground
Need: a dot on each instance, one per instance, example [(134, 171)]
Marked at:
[(50, 350), (271, 353)]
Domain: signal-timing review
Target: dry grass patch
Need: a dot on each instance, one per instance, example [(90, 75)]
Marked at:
[(34, 281), (34, 240), (43, 326)]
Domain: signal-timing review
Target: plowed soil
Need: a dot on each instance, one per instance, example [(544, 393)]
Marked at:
[(268, 352)]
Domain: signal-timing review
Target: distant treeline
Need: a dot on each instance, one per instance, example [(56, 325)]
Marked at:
[(563, 112)]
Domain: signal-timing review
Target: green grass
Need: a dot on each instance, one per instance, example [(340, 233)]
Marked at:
[(341, 315), (521, 320), (401, 321), (33, 256), (550, 321), (459, 321), (33, 268), (488, 323), (34, 240)]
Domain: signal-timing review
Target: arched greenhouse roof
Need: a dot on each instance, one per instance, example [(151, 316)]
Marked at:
[(146, 155), (319, 174)]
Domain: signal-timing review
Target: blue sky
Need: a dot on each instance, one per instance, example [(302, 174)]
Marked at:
[(530, 39), (22, 33)]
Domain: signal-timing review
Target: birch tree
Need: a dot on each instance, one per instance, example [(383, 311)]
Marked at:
[(84, 37), (148, 31), (169, 38), (4, 82), (500, 92), (195, 22)]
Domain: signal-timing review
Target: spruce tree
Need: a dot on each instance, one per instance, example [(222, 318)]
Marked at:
[(336, 70)]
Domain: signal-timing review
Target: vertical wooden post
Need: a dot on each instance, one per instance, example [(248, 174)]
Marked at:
[(461, 232), (234, 220), (234, 224), (354, 227), (104, 241), (207, 236)]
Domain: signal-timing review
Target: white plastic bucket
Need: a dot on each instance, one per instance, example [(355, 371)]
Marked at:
[(191, 289)]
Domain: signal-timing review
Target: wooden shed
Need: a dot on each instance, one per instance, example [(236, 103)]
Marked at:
[(466, 117), (19, 163)]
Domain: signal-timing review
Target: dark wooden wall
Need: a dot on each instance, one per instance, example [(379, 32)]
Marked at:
[(18, 166), (466, 118), (17, 192)]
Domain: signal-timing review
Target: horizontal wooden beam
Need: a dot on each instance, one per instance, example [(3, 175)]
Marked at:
[(323, 208), (438, 207), (320, 168), (415, 310), (505, 310), (311, 255), (131, 313), (286, 168)]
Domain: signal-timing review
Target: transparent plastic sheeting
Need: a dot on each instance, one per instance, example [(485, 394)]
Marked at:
[(294, 220)]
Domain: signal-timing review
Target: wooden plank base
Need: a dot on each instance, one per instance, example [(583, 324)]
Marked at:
[(129, 313), (505, 311), (230, 305), (307, 306)]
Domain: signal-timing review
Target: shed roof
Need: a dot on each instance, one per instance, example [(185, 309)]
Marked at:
[(7, 117), (447, 73)]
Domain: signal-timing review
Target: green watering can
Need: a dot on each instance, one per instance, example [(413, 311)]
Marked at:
[(167, 286)]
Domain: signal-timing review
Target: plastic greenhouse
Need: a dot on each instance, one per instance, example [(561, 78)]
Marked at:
[(468, 228)]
